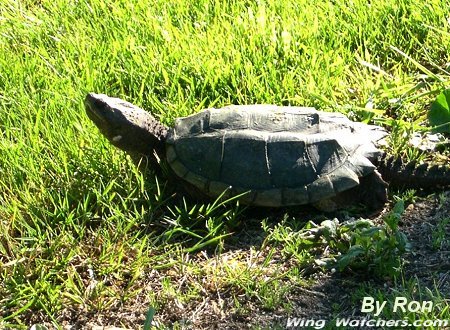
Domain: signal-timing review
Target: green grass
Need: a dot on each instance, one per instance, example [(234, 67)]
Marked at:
[(82, 230)]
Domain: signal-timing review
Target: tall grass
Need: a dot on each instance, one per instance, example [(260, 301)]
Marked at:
[(80, 227)]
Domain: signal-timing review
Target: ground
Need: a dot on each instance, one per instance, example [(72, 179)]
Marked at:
[(323, 296)]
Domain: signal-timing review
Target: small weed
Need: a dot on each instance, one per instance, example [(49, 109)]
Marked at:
[(408, 196), (202, 224), (356, 244), (376, 248), (440, 235)]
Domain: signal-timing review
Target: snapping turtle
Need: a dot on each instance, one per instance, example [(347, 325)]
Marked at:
[(274, 156)]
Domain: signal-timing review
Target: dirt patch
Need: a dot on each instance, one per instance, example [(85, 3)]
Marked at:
[(427, 226), (322, 296)]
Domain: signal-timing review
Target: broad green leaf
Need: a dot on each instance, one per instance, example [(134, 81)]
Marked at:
[(149, 318), (439, 114), (352, 254), (399, 207)]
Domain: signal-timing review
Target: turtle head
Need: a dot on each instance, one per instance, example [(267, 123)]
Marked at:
[(125, 125)]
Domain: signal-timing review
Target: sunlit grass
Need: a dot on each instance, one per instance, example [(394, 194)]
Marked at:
[(80, 227)]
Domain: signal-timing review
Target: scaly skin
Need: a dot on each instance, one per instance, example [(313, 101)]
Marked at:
[(412, 175)]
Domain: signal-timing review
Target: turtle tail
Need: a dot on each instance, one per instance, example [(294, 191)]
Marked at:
[(413, 175)]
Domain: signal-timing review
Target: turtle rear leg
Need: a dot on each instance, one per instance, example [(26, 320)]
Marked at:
[(371, 192)]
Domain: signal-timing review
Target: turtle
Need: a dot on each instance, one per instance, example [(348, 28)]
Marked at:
[(264, 155)]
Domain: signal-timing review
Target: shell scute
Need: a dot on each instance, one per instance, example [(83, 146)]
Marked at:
[(281, 155)]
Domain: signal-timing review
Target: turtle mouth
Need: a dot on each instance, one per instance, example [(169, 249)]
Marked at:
[(92, 114), (101, 113), (95, 109)]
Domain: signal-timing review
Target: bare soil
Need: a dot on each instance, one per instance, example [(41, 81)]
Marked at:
[(324, 296)]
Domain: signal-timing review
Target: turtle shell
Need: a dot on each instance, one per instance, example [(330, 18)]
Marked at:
[(274, 155)]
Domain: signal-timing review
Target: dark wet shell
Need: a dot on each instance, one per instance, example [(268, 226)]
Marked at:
[(280, 155)]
